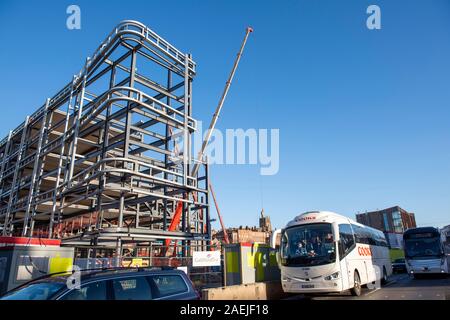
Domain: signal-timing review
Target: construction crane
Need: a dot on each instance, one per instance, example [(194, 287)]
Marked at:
[(220, 105), (224, 230), (179, 209)]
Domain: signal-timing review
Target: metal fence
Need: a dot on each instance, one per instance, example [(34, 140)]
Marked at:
[(202, 277)]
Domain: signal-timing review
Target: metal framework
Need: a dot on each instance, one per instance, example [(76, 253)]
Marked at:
[(98, 163)]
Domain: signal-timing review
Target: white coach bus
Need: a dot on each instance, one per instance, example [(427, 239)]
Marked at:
[(323, 251)]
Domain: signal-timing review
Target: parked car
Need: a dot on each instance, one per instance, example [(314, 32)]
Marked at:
[(110, 284), (399, 266)]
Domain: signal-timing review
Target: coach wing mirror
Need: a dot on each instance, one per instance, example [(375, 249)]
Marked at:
[(274, 242), (332, 256), (278, 256)]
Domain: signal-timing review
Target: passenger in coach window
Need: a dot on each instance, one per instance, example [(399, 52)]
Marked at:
[(322, 248), (328, 244), (301, 248), (316, 246)]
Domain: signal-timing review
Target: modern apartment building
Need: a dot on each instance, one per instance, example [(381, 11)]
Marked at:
[(392, 221)]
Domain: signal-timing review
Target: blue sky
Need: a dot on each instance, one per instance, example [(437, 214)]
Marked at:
[(364, 116)]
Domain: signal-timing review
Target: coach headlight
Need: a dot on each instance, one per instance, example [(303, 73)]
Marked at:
[(286, 278), (333, 276)]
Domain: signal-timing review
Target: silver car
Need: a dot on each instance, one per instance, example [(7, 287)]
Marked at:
[(109, 284)]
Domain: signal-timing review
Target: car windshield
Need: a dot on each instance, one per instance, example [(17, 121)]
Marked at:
[(401, 260), (423, 247), (308, 245), (35, 291)]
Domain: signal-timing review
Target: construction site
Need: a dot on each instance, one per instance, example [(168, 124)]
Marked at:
[(104, 170), (98, 164)]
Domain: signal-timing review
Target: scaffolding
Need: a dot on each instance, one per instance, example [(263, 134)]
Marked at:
[(100, 163)]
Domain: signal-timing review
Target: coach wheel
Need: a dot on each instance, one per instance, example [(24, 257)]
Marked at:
[(356, 290), (385, 277)]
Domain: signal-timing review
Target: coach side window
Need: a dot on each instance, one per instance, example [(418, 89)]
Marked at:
[(347, 241), (361, 235), (372, 237), (381, 239)]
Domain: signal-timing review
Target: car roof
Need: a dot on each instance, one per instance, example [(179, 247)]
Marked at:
[(105, 273)]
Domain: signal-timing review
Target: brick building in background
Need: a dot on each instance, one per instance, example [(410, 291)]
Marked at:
[(247, 234), (392, 221)]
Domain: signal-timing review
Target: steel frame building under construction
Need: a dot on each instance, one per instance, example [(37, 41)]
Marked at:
[(99, 164)]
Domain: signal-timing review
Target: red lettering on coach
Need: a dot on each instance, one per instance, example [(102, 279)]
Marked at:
[(364, 251)]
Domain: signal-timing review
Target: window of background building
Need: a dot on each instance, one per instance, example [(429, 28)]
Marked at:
[(386, 222), (397, 221)]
